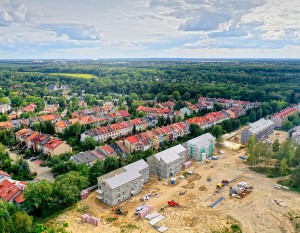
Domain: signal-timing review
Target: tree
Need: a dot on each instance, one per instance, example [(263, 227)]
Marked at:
[(296, 177), (134, 130), (67, 188), (134, 96), (17, 101), (296, 158), (217, 131), (195, 130), (259, 114), (250, 149), (160, 121), (283, 166), (110, 164), (293, 99), (287, 125), (276, 145), (39, 198), (22, 223), (95, 171), (176, 95), (186, 96), (88, 98), (89, 143), (252, 116), (4, 100)]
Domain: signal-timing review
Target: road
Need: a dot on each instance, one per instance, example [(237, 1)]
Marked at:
[(42, 172)]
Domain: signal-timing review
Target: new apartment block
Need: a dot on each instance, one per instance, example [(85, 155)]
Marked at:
[(119, 185), (261, 129), (167, 163)]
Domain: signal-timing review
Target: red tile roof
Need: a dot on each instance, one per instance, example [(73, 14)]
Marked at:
[(54, 143), (124, 113), (132, 139), (8, 189), (4, 173), (20, 197)]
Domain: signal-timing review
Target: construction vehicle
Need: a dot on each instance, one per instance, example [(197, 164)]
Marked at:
[(219, 185), (138, 209), (225, 182), (173, 203)]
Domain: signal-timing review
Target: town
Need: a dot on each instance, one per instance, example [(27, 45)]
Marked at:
[(132, 156)]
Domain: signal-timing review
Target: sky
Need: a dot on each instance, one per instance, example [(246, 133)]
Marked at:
[(50, 29)]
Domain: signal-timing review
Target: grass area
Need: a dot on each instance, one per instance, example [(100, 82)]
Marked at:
[(111, 219), (270, 172), (71, 75), (289, 183), (128, 228)]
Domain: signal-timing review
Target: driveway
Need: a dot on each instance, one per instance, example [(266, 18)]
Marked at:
[(42, 172)]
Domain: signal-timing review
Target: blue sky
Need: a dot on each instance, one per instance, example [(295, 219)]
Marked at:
[(149, 28)]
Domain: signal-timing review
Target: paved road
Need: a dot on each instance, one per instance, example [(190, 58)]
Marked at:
[(42, 172)]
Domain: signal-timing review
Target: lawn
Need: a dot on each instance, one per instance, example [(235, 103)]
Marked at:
[(87, 76)]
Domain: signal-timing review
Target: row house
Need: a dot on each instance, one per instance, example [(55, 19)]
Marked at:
[(29, 108), (50, 109), (169, 104), (118, 130), (227, 103), (280, 117), (41, 142), (153, 111), (235, 112), (208, 120), (53, 118)]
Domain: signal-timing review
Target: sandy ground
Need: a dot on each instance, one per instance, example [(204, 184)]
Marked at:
[(257, 212), (42, 172)]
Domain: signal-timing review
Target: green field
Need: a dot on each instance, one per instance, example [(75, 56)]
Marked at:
[(86, 76)]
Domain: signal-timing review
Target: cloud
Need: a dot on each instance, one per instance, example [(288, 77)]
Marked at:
[(12, 11), (75, 31)]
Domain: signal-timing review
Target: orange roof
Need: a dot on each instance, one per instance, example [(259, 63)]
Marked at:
[(61, 124), (49, 117), (4, 173), (6, 125), (20, 197), (32, 136), (108, 149), (54, 143)]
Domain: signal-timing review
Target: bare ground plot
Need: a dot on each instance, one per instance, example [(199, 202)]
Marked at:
[(257, 212)]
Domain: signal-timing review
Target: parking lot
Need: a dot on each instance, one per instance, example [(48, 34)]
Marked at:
[(42, 172)]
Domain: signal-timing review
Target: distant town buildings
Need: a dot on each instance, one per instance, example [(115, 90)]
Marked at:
[(280, 117)]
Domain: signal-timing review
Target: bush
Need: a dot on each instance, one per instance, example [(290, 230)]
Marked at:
[(28, 154), (236, 228), (111, 219)]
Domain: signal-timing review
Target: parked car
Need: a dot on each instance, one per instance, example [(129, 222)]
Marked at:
[(55, 175), (138, 209), (33, 158)]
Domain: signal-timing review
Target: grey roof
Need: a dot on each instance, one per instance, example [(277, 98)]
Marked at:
[(260, 125), (202, 140), (178, 149), (138, 165), (51, 87), (116, 148), (84, 157), (168, 156), (123, 178)]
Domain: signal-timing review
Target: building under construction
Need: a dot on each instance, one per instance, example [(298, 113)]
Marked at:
[(201, 148)]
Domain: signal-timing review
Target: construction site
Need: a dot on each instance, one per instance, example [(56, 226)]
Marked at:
[(206, 197)]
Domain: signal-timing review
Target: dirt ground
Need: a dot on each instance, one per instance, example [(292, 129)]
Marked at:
[(257, 212)]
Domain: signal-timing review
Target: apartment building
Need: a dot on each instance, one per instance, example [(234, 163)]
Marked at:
[(201, 148), (261, 129), (123, 183)]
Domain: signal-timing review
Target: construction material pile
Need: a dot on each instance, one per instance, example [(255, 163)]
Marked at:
[(84, 194), (90, 219), (241, 191)]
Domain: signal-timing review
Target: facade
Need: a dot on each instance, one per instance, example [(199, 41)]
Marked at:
[(123, 183), (167, 163), (261, 129), (201, 147)]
